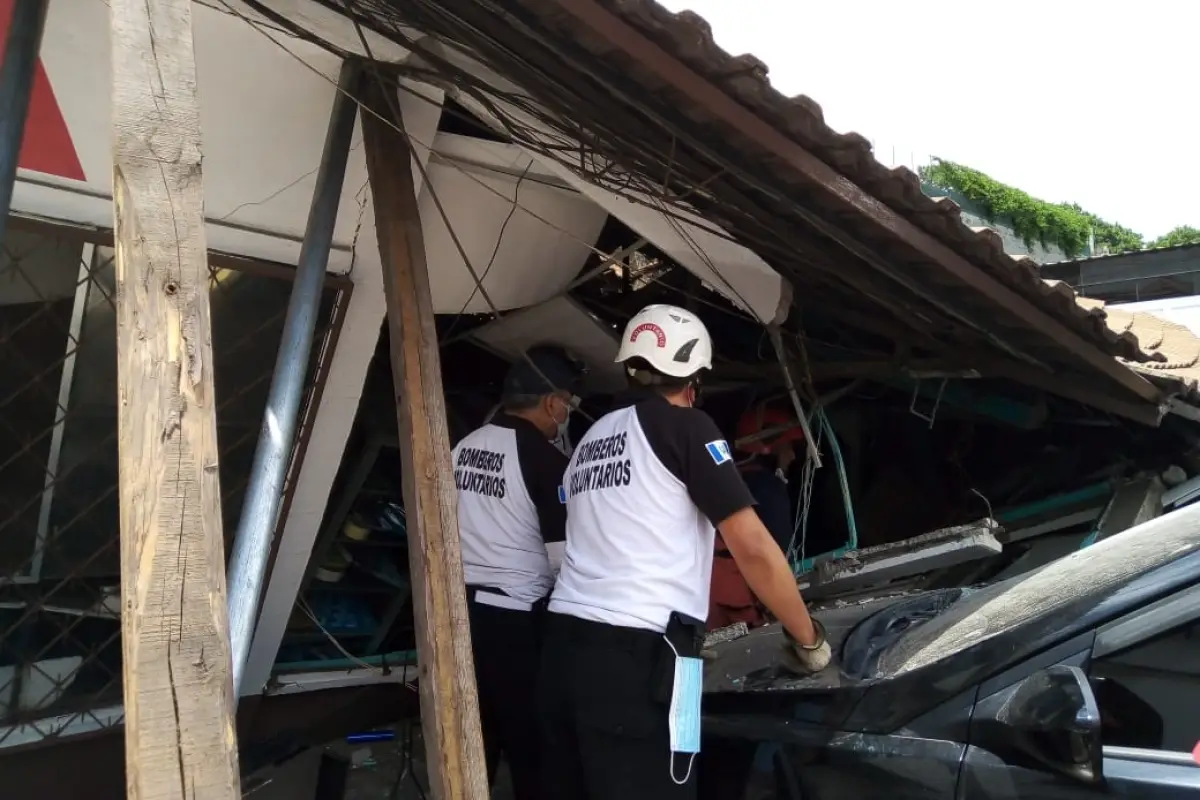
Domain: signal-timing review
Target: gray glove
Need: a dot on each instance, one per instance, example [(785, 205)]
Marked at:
[(807, 659)]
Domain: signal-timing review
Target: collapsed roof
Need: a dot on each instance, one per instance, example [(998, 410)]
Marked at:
[(640, 110)]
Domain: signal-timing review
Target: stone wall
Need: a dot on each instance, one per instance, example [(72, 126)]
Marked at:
[(972, 215)]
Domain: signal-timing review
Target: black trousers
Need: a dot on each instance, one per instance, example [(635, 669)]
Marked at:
[(506, 647), (604, 705)]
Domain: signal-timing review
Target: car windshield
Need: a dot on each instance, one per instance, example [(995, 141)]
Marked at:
[(1093, 572)]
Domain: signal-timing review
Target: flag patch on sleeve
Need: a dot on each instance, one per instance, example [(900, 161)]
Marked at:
[(719, 450), (562, 494)]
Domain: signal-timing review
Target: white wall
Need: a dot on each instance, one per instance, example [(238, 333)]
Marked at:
[(265, 100)]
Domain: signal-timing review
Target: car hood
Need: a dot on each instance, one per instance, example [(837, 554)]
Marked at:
[(857, 631)]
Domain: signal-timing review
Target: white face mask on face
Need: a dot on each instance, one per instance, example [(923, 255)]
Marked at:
[(562, 438)]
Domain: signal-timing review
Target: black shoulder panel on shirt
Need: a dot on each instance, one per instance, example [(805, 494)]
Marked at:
[(691, 446), (542, 466)]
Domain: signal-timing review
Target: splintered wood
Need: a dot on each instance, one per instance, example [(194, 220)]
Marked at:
[(179, 733), (449, 704)]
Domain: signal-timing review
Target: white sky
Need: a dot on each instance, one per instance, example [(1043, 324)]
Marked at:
[(1095, 103)]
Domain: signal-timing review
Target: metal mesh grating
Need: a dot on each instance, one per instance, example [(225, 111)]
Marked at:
[(60, 634)]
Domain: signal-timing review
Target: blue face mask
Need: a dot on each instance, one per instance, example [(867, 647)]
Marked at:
[(684, 720)]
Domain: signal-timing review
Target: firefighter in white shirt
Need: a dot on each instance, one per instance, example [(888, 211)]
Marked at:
[(512, 523), (620, 683)]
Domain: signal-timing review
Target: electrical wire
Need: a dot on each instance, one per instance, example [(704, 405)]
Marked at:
[(396, 125), (516, 202), (420, 166), (519, 131), (427, 146), (477, 278), (302, 604), (798, 556), (694, 246), (428, 184), (777, 245), (732, 311), (408, 767), (668, 213), (674, 218), (602, 97), (671, 217)]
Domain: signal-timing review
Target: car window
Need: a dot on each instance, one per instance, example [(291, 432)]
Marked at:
[(1094, 572), (1149, 694)]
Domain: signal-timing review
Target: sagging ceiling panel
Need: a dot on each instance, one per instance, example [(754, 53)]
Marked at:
[(701, 247), (564, 322), (526, 239), (730, 269)]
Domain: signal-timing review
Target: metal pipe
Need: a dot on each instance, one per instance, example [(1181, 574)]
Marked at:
[(264, 495), (16, 87), (781, 354), (66, 382)]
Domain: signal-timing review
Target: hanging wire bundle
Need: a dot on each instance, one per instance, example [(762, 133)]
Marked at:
[(591, 117), (566, 151), (797, 551)]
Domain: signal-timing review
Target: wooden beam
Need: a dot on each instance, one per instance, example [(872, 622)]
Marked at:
[(1073, 387), (179, 731), (449, 704)]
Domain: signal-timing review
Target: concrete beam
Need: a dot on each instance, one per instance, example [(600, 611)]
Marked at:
[(920, 554)]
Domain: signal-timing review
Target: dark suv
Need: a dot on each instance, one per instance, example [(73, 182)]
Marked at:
[(1078, 680)]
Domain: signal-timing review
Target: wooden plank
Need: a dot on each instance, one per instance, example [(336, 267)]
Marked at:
[(179, 725), (1073, 387), (449, 704), (1133, 503)]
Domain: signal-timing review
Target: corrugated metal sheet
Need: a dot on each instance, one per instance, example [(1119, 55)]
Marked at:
[(1157, 262)]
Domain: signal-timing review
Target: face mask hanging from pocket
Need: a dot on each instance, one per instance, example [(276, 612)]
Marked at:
[(684, 719)]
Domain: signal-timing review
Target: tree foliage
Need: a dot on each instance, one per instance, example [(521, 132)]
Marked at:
[(1184, 234), (1064, 225)]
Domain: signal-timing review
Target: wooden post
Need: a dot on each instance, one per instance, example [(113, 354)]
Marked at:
[(449, 704), (179, 735)]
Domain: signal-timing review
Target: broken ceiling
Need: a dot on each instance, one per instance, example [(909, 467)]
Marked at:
[(641, 101)]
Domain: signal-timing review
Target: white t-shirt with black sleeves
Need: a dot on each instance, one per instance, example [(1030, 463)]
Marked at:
[(511, 516), (644, 489)]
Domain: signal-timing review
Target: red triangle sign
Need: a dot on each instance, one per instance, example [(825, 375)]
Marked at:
[(46, 146)]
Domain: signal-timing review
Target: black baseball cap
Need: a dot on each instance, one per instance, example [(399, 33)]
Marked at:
[(544, 369)]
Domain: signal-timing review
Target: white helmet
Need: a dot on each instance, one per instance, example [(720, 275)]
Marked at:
[(670, 339)]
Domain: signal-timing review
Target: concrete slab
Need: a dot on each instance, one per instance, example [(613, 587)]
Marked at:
[(932, 551), (1140, 500)]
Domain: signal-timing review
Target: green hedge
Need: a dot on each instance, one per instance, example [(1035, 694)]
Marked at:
[(1184, 234), (1064, 225)]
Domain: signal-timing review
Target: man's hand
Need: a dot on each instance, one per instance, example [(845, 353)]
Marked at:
[(767, 572), (807, 659)]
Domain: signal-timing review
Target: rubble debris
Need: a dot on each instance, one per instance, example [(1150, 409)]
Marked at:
[(727, 634)]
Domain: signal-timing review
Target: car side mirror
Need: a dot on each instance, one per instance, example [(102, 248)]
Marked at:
[(1050, 720)]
